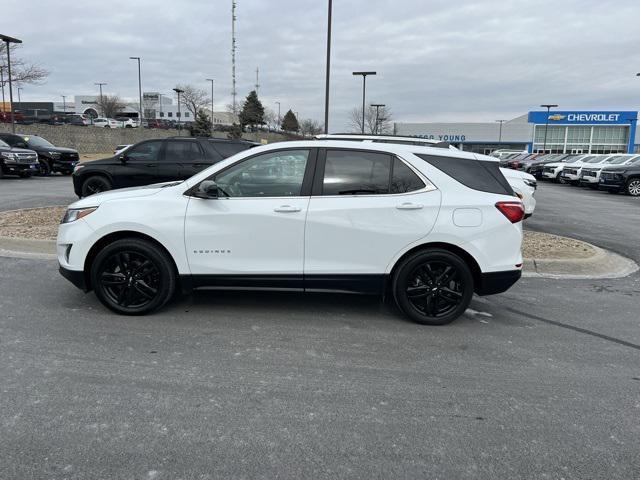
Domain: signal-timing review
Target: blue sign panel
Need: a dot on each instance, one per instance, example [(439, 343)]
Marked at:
[(582, 118)]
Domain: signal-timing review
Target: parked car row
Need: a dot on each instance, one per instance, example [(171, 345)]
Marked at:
[(26, 155), (613, 172)]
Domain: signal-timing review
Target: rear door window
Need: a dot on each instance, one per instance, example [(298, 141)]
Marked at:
[(352, 172), (481, 175), (182, 151), (228, 149)]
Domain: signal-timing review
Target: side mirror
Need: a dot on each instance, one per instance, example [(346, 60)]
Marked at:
[(123, 158), (207, 189)]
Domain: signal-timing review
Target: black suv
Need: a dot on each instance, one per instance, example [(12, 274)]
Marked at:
[(17, 161), (623, 178), (154, 161), (51, 158)]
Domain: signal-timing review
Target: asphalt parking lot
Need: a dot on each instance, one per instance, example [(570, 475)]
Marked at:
[(540, 382)]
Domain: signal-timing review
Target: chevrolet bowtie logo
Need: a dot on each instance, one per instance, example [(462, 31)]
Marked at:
[(557, 117)]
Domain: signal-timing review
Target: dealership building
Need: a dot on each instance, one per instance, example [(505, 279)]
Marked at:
[(565, 132)]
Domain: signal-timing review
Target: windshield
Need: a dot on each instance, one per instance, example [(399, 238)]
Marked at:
[(38, 142), (595, 160), (4, 145), (619, 159), (636, 161), (572, 159)]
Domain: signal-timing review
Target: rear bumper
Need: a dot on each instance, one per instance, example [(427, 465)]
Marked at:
[(497, 282), (74, 276)]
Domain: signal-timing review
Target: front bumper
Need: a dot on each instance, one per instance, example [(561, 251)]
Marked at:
[(497, 282), (64, 166), (18, 168), (74, 276)]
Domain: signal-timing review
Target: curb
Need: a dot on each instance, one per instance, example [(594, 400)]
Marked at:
[(27, 248)]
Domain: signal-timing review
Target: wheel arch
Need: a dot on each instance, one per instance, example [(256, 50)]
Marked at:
[(95, 173), (471, 262), (115, 236)]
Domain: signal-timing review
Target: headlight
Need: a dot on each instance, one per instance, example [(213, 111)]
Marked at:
[(74, 214), (9, 157), (77, 167), (530, 183), (54, 154)]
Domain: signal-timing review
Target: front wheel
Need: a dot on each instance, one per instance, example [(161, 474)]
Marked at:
[(433, 287), (95, 184), (633, 187), (133, 277), (45, 168)]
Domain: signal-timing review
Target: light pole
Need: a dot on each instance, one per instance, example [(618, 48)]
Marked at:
[(100, 84), (279, 121), (178, 91), (64, 103), (19, 90), (377, 105), (211, 80), (8, 40), (500, 131), (326, 86), (548, 106), (364, 91), (2, 84), (141, 113)]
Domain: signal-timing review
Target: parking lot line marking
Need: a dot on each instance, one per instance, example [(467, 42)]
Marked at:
[(576, 329)]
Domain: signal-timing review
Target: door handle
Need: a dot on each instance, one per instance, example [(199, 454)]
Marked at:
[(286, 209), (409, 206)]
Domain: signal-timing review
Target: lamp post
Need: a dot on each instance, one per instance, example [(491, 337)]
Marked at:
[(500, 131), (19, 90), (211, 80), (326, 86), (8, 40), (100, 84), (141, 113), (548, 106), (2, 84), (178, 91), (364, 90), (279, 120), (377, 106), (64, 103)]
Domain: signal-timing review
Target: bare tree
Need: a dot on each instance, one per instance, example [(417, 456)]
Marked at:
[(193, 98), (22, 73), (310, 127), (110, 105), (270, 119), (384, 124)]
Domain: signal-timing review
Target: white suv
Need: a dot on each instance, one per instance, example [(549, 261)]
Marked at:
[(305, 216), (106, 123), (590, 176)]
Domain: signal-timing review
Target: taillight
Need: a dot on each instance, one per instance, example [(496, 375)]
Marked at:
[(514, 211)]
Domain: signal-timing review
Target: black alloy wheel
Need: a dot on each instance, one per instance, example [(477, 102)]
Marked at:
[(633, 187), (95, 184), (433, 287), (133, 277)]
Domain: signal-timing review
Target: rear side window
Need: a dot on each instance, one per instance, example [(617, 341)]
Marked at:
[(228, 149), (182, 150), (476, 174), (349, 172)]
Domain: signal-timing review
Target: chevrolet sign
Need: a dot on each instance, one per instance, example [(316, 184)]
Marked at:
[(584, 118), (556, 117)]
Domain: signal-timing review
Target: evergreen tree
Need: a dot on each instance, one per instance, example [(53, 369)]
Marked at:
[(290, 122), (235, 131), (202, 126), (252, 111)]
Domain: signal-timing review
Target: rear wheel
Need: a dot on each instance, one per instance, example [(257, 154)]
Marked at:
[(95, 184), (133, 277), (633, 187), (433, 287)]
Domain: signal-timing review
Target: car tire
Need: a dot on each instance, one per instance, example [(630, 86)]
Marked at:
[(133, 277), (432, 287), (45, 168), (25, 174), (95, 184), (633, 187)]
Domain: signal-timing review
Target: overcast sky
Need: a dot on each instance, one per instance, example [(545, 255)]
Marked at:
[(437, 60)]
